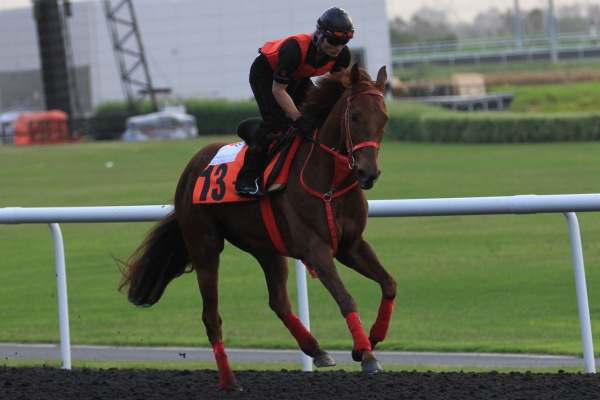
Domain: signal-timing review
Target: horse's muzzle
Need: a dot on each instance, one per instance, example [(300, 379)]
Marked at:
[(367, 180)]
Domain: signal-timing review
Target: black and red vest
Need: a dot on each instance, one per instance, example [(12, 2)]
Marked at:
[(304, 70)]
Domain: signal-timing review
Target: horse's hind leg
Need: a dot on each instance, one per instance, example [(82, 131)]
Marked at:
[(276, 274), (206, 264)]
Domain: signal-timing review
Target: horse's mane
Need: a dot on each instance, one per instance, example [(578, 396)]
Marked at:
[(321, 97)]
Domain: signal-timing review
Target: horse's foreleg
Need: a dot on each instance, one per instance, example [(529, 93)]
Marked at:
[(276, 274), (361, 257), (361, 342), (329, 277), (380, 327)]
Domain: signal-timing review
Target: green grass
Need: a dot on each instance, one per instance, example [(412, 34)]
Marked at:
[(568, 97), (550, 98), (437, 72), (480, 283)]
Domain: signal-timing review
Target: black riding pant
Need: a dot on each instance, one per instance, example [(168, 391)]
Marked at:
[(273, 116)]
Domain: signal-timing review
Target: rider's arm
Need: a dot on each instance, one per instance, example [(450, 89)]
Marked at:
[(284, 100), (290, 57)]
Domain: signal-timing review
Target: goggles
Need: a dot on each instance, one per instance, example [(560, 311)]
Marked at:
[(335, 41), (336, 38), (340, 34)]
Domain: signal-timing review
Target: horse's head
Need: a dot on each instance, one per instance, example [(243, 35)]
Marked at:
[(364, 121)]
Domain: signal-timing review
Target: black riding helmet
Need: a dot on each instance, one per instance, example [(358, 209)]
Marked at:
[(336, 25)]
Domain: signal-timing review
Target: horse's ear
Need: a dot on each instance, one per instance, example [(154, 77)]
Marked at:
[(355, 75), (381, 77)]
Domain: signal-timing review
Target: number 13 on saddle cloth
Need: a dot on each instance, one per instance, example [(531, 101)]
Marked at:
[(216, 184)]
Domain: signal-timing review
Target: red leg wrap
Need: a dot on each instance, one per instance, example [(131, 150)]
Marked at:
[(305, 339), (361, 342), (225, 373), (380, 327)]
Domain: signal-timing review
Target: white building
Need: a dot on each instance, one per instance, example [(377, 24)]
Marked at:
[(197, 48)]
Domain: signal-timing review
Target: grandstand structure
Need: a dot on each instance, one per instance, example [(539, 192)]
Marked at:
[(193, 48)]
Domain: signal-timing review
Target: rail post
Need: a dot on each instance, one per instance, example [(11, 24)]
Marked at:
[(585, 322), (63, 303)]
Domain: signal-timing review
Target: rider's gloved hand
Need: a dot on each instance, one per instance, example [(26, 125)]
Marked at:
[(303, 125)]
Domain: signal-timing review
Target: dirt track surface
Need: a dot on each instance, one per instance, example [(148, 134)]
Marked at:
[(52, 383)]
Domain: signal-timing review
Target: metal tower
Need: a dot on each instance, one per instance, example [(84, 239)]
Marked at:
[(129, 53), (51, 39)]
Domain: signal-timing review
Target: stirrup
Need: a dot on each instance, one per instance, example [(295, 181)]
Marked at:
[(251, 192)]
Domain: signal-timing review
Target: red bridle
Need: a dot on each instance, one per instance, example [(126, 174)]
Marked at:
[(346, 121), (341, 172), (343, 166)]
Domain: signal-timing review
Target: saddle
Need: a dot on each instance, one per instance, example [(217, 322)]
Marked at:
[(216, 183)]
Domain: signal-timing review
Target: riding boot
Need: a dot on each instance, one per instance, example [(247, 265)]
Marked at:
[(248, 182)]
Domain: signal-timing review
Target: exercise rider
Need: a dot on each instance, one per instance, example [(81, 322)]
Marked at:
[(280, 77)]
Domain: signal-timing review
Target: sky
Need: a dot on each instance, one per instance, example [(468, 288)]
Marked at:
[(458, 10)]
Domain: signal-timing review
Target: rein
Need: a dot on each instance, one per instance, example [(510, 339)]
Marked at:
[(343, 164)]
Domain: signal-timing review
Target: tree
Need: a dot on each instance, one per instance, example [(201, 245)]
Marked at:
[(426, 25), (493, 23), (431, 25), (400, 33), (535, 22)]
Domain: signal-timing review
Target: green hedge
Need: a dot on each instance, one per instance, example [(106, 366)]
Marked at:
[(220, 116), (212, 116), (418, 122), (408, 121), (405, 119)]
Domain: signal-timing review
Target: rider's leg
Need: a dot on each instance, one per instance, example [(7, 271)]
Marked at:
[(248, 179)]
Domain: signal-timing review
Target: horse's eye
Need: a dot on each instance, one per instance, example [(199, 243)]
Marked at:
[(354, 117)]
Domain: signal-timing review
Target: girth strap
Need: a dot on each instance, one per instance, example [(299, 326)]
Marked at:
[(274, 233), (269, 218)]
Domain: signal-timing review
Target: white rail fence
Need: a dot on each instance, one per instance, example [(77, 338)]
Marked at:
[(522, 204)]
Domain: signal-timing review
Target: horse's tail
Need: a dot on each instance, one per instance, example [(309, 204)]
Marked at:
[(160, 258)]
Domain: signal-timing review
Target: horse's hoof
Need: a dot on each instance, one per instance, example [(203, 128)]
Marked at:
[(234, 387), (371, 367), (324, 360), (356, 355)]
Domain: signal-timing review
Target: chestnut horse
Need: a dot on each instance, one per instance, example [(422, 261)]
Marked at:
[(321, 214)]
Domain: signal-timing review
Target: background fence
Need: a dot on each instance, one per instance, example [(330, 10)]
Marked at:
[(577, 45)]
